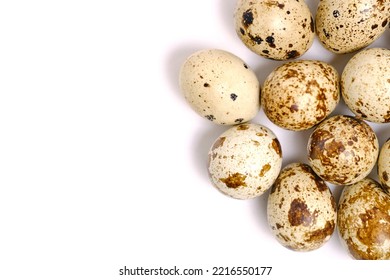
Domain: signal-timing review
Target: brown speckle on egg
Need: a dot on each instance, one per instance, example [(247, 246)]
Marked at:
[(234, 181)]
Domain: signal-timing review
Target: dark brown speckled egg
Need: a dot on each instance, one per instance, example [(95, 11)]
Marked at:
[(363, 220), (343, 150), (300, 94), (301, 209), (278, 30)]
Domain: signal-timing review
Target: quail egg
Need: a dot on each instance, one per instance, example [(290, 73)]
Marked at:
[(364, 220), (245, 160), (343, 150), (301, 209), (365, 84), (220, 87), (278, 30), (299, 94), (384, 166), (350, 25)]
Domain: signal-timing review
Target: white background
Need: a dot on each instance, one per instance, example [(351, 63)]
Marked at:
[(103, 163)]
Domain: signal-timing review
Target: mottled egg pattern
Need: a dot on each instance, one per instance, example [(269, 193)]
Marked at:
[(365, 84), (278, 30), (364, 220), (220, 87), (350, 25), (245, 161), (384, 166), (343, 150), (301, 209), (299, 94)]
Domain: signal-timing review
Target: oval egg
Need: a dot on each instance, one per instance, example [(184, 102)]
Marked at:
[(343, 150), (278, 30), (350, 25), (300, 94), (365, 84), (245, 160), (301, 209), (363, 220), (384, 166), (220, 87)]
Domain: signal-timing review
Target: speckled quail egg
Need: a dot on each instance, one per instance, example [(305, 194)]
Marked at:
[(365, 84), (349, 25), (384, 166), (301, 209), (245, 161), (299, 94), (343, 150), (278, 30), (219, 86), (364, 220)]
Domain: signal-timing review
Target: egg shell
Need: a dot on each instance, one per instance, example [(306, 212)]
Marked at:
[(278, 30), (343, 150), (364, 220), (350, 25), (384, 166), (365, 84), (299, 94), (301, 209), (220, 87), (245, 160)]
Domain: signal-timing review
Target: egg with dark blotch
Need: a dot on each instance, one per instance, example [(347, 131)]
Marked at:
[(343, 150), (301, 209), (300, 94), (350, 25), (365, 84), (384, 166), (363, 220), (245, 161), (279, 30)]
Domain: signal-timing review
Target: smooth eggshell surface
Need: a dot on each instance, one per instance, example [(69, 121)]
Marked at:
[(364, 220), (350, 25), (343, 150), (301, 209), (278, 30), (365, 84), (384, 166), (245, 161), (299, 94), (220, 87)]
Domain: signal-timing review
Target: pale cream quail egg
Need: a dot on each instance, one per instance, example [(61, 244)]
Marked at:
[(365, 84), (220, 87), (245, 160)]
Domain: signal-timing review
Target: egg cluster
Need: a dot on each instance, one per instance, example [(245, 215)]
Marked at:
[(246, 160)]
